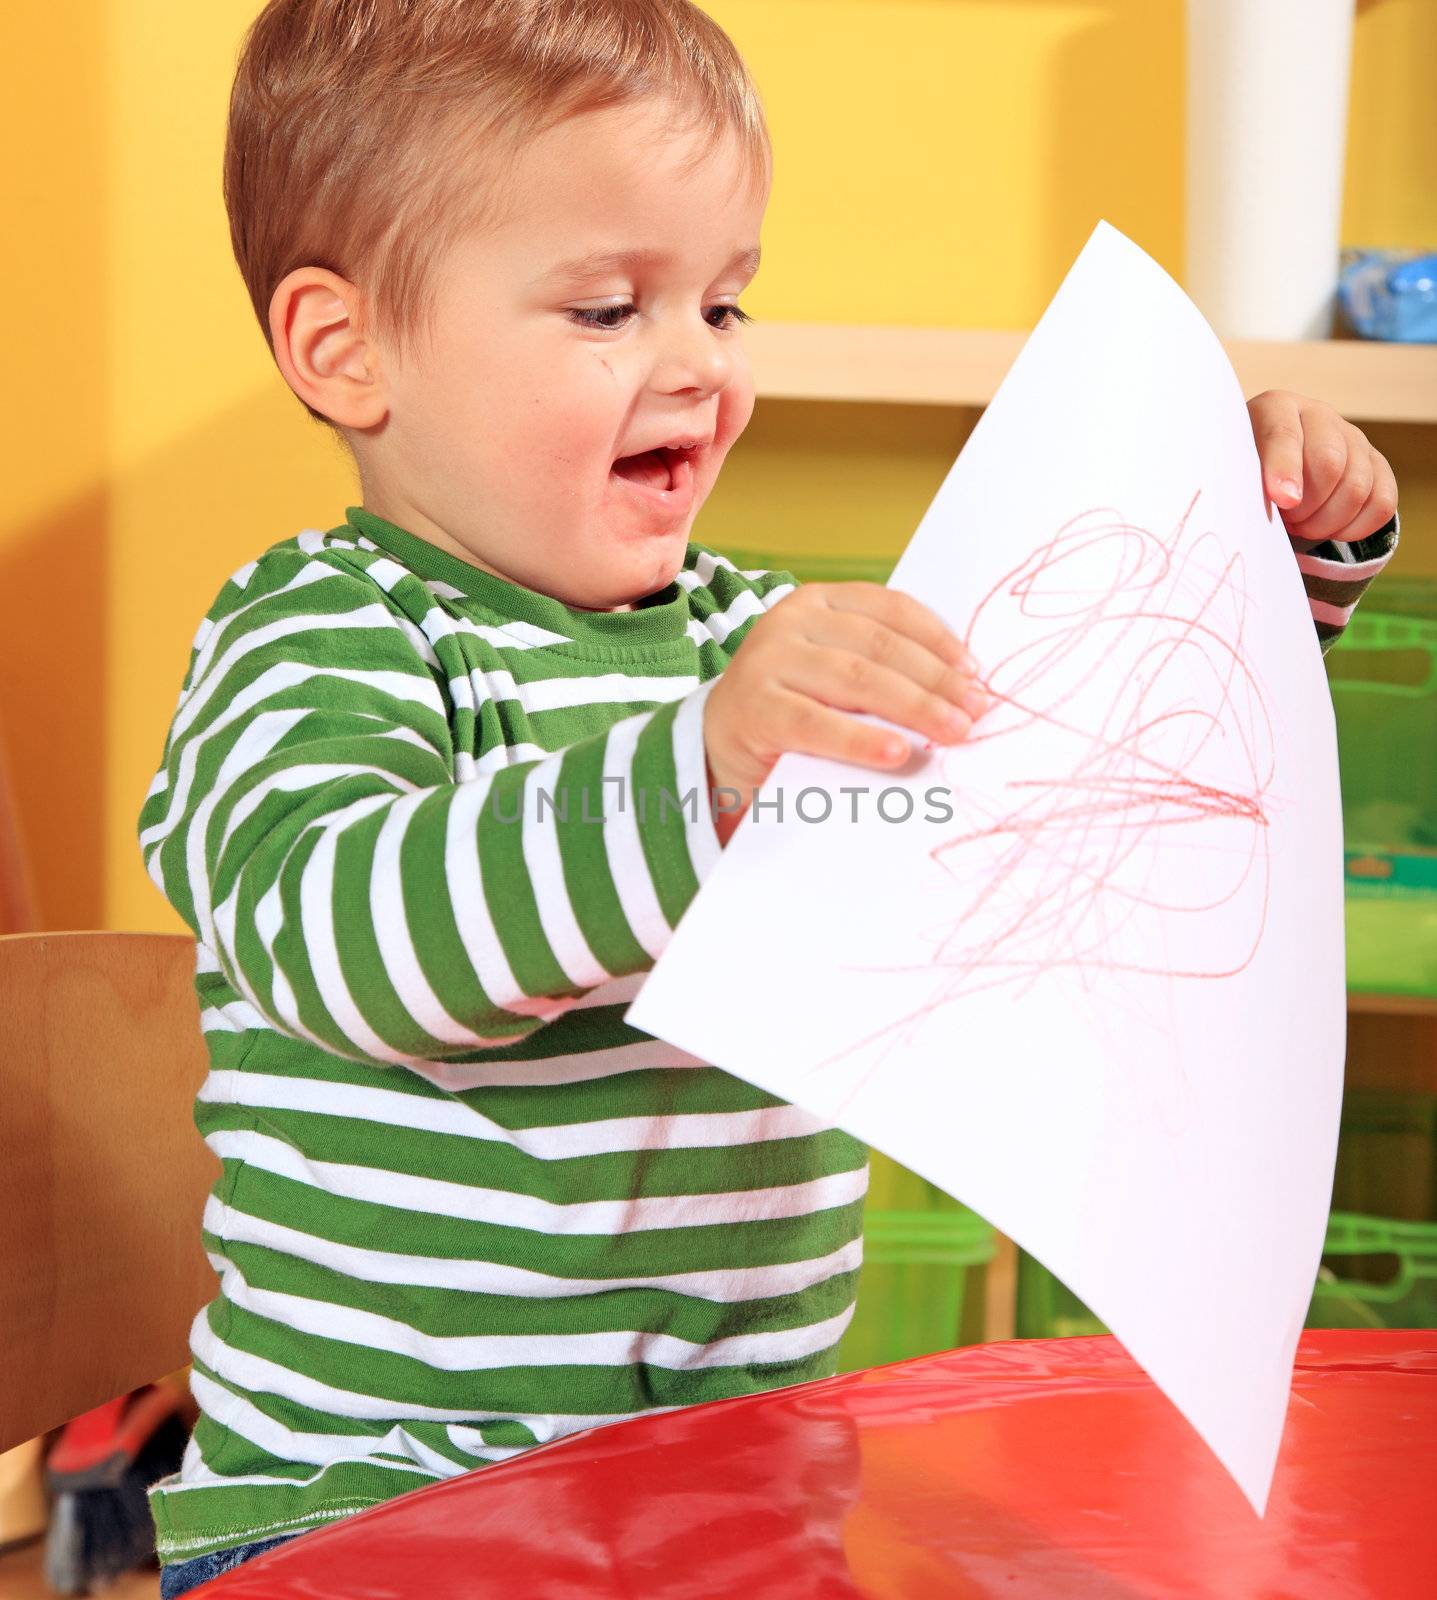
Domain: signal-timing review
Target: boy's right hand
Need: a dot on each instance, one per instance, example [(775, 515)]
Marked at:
[(825, 650)]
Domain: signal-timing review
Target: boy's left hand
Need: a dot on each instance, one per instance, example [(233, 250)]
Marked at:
[(1318, 470)]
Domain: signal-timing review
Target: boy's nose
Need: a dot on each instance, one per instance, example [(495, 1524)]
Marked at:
[(694, 356)]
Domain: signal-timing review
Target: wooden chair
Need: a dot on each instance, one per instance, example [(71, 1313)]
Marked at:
[(17, 887), (103, 1175)]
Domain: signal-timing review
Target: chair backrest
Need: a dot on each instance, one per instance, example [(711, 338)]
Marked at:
[(17, 885), (103, 1175)]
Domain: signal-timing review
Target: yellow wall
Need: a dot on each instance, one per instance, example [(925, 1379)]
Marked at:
[(937, 162), (54, 281)]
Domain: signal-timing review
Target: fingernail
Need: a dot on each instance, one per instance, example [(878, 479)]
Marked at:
[(975, 701), (1290, 486), (959, 721)]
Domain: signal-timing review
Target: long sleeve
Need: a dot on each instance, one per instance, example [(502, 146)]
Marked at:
[(389, 808), (1335, 574), (309, 826)]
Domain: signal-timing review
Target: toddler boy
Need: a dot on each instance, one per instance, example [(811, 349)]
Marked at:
[(439, 783)]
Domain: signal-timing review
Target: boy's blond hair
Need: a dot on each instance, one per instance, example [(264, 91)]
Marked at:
[(369, 136)]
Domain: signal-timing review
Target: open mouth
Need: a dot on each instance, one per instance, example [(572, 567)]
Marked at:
[(662, 477), (653, 469)]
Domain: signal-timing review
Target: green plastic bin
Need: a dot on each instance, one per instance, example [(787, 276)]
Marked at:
[(1376, 1272), (1383, 678), (918, 1245), (1387, 1155), (1047, 1308), (1386, 1177)]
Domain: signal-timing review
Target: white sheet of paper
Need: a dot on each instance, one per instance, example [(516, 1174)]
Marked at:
[(1103, 1001)]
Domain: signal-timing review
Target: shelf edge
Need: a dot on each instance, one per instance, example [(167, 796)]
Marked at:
[(901, 365)]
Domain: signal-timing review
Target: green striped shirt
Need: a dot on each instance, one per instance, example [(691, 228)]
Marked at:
[(430, 829)]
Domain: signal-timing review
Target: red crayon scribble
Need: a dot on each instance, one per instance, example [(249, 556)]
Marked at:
[(1069, 867)]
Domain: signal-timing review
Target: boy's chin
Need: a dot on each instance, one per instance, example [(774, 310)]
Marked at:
[(624, 600), (641, 579)]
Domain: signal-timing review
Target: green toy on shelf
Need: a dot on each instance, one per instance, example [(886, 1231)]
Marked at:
[(1383, 676), (917, 1247)]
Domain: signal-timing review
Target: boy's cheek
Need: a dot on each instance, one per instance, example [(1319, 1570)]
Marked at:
[(735, 409)]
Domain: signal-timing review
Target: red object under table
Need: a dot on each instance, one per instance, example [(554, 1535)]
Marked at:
[(1045, 1468)]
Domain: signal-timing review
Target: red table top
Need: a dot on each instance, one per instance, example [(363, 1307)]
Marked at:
[(1042, 1468)]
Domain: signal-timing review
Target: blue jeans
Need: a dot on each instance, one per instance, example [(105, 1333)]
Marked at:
[(182, 1576)]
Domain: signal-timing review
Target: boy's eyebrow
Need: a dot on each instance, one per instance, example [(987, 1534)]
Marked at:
[(598, 263)]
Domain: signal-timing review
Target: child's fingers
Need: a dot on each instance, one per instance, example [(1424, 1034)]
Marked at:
[(1351, 458), (1362, 501), (850, 682), (1377, 509), (812, 658), (806, 724), (1331, 451), (898, 611), (865, 639), (1277, 426), (1381, 506)]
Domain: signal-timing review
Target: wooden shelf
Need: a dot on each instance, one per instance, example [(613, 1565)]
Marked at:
[(1391, 1005), (1364, 380), (1391, 1043)]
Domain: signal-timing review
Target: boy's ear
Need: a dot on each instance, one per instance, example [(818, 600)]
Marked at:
[(325, 358)]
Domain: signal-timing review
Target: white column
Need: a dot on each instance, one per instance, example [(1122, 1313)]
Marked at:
[(1267, 133)]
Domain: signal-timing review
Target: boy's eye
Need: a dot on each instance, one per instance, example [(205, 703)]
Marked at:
[(596, 319)]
